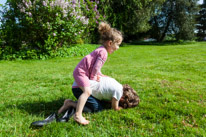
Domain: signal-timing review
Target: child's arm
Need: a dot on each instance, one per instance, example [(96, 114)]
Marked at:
[(99, 76), (96, 69), (102, 75), (115, 104), (100, 60)]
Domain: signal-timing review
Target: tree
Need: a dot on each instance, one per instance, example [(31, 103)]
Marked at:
[(162, 22), (185, 21), (176, 17), (201, 25), (131, 16)]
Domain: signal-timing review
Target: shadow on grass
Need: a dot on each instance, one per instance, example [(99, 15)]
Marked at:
[(40, 107), (46, 108)]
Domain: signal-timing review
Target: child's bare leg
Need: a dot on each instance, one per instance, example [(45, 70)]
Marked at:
[(67, 104), (80, 105)]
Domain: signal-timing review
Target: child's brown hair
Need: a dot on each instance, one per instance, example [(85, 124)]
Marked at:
[(129, 98), (109, 33)]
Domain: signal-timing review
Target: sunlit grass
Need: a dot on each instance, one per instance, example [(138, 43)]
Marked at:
[(170, 80)]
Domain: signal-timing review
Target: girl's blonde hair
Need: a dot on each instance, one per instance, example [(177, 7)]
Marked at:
[(129, 98), (109, 33)]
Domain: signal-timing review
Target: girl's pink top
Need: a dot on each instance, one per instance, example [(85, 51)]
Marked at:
[(90, 66)]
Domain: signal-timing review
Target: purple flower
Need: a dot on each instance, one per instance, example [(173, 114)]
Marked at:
[(66, 3), (29, 14), (54, 34), (97, 13), (44, 3), (27, 6), (71, 14), (74, 5), (52, 4), (77, 17), (82, 18), (95, 8), (73, 1), (30, 4), (87, 8), (64, 13), (22, 9), (86, 21)]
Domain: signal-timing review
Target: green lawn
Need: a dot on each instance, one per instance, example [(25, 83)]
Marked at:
[(170, 80)]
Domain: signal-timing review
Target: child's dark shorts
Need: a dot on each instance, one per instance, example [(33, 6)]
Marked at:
[(92, 103)]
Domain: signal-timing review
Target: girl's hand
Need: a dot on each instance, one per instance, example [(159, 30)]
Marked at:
[(98, 78), (104, 75)]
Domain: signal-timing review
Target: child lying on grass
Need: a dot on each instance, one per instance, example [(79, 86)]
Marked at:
[(104, 91), (107, 89)]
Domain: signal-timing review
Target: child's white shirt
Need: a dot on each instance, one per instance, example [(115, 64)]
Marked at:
[(106, 89)]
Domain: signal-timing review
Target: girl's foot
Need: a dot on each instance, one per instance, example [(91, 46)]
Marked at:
[(81, 120), (65, 106)]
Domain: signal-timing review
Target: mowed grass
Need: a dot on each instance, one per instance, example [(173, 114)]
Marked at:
[(170, 80)]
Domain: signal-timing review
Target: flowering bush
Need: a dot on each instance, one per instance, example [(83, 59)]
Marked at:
[(43, 26)]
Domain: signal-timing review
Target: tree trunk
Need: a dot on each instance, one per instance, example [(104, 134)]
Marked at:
[(167, 26)]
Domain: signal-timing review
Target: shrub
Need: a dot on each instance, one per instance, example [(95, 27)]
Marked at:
[(75, 50), (34, 27)]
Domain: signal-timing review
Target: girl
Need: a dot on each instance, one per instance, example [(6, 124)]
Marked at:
[(90, 66)]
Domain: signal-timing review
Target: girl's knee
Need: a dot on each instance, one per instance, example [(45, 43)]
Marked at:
[(87, 90), (88, 93)]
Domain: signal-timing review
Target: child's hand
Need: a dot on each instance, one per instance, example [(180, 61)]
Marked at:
[(115, 104), (105, 76), (119, 108), (98, 78)]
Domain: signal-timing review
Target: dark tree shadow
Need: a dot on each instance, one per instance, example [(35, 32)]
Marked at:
[(46, 108), (40, 107)]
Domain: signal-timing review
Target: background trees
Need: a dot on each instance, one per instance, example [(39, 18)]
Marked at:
[(177, 18), (130, 16), (30, 28), (201, 22)]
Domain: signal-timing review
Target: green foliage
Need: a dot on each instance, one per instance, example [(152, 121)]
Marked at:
[(75, 50), (175, 17), (201, 26), (170, 80), (131, 17), (42, 27), (185, 19)]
